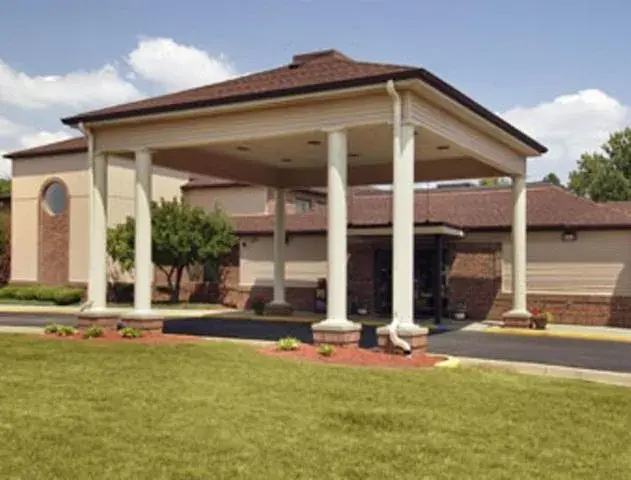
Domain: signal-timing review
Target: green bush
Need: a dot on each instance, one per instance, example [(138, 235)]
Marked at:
[(52, 328), (66, 331), (130, 332), (287, 344), (326, 350), (93, 332), (41, 293)]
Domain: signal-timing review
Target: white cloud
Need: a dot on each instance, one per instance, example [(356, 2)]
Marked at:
[(8, 128), (177, 67), (77, 90), (569, 125), (35, 139)]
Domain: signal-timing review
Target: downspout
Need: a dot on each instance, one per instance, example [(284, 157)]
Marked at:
[(396, 154), (90, 138)]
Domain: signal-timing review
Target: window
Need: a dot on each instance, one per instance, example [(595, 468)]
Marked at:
[(302, 205), (55, 199), (211, 271)]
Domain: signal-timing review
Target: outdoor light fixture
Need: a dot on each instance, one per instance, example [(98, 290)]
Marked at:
[(442, 147), (314, 142), (285, 160), (353, 155), (569, 236), (243, 148)]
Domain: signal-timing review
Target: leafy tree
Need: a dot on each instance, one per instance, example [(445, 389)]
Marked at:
[(493, 182), (5, 186), (605, 175), (553, 179), (182, 236)]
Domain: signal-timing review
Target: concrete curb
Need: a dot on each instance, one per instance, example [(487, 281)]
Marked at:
[(73, 311), (451, 362), (603, 337), (28, 330), (557, 371)]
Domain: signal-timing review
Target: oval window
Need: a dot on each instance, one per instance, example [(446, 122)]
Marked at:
[(55, 198)]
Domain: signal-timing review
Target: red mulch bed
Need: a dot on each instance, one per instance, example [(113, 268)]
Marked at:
[(147, 338), (357, 356)]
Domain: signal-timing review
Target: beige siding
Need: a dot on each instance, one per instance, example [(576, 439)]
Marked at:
[(29, 175), (597, 263), (233, 200), (305, 261), (285, 120)]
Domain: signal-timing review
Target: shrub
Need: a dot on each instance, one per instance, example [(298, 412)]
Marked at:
[(52, 328), (93, 332), (130, 332), (326, 350), (56, 295), (66, 331), (258, 305), (287, 344)]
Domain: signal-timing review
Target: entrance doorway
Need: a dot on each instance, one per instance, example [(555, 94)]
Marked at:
[(430, 281)]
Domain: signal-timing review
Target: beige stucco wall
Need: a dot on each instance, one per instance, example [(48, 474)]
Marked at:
[(233, 200), (305, 258), (28, 177), (598, 263)]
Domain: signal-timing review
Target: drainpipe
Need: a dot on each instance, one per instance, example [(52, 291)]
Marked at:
[(396, 153)]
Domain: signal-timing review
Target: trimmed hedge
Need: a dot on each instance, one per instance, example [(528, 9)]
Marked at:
[(56, 295)]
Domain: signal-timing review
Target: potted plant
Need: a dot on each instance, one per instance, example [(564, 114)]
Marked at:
[(540, 319), (258, 305)]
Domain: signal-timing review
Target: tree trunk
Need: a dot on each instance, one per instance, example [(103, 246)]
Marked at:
[(175, 289)]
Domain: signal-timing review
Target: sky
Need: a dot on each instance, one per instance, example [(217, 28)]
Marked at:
[(557, 69)]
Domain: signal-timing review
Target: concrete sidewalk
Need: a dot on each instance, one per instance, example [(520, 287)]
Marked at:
[(582, 332)]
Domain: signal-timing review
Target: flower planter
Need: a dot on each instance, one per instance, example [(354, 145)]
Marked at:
[(539, 322)]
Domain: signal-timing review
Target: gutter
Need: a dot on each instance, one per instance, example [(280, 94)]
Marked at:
[(396, 153)]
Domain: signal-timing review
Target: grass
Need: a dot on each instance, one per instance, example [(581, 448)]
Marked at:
[(218, 410)]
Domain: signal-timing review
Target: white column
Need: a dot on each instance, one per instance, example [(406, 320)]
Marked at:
[(97, 281), (337, 222), (143, 264), (279, 250), (403, 230), (519, 248)]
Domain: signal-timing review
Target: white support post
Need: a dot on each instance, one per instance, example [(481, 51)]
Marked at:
[(97, 281), (279, 305), (403, 230), (519, 250), (143, 264), (337, 218)]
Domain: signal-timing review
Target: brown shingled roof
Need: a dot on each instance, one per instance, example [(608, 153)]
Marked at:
[(307, 73), (72, 145), (549, 207), (210, 182)]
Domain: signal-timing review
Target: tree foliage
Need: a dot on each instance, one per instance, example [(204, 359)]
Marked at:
[(605, 175), (5, 186), (182, 236), (494, 182), (553, 179)]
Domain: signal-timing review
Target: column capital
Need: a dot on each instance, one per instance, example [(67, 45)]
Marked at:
[(143, 150), (338, 129)]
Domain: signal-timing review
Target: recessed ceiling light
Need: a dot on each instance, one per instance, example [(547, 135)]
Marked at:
[(285, 160), (353, 155), (442, 147), (314, 142), (243, 148)]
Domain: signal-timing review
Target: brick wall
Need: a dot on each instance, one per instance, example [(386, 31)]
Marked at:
[(53, 241), (476, 278)]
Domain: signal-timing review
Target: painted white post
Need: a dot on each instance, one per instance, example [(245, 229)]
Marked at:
[(403, 230), (279, 250), (337, 219), (97, 281), (144, 266), (519, 249)]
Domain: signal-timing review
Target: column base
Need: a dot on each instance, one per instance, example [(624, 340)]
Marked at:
[(517, 319), (412, 334), (278, 308), (97, 318), (146, 321), (341, 333)]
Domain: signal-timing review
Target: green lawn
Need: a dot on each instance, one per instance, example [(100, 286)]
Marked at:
[(119, 411)]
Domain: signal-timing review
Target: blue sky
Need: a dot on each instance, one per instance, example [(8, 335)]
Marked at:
[(558, 69)]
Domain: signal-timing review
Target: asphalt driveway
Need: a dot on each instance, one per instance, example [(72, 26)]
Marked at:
[(599, 355)]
